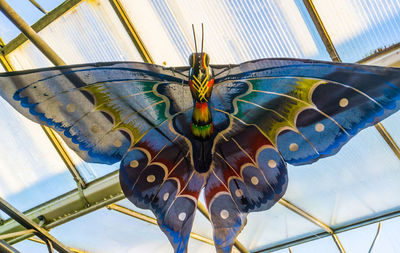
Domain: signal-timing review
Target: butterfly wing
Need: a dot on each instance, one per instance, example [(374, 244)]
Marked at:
[(284, 110), (309, 109), (112, 111), (101, 110), (158, 174)]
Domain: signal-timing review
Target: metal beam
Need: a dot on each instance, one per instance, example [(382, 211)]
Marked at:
[(42, 23), (29, 224), (153, 221), (38, 6), (99, 193), (6, 248), (16, 234), (326, 39)]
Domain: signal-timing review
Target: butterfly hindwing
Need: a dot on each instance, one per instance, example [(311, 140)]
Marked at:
[(101, 110), (246, 176), (158, 174)]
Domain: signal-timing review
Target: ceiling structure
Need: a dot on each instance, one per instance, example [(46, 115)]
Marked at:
[(333, 205)]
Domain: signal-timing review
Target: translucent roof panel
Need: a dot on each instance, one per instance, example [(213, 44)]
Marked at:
[(29, 13), (359, 182), (201, 224), (31, 170), (358, 28), (234, 31), (110, 231), (275, 226), (326, 245), (90, 32), (360, 239)]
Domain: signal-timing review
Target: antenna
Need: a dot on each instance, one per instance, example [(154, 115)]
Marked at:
[(194, 36), (202, 37)]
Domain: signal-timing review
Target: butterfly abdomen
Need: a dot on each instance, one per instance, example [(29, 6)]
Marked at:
[(201, 126)]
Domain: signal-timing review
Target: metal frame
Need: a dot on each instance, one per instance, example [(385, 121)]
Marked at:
[(29, 224), (96, 189), (7, 248)]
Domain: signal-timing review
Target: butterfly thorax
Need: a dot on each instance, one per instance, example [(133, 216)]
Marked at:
[(201, 86)]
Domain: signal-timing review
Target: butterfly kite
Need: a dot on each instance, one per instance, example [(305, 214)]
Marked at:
[(229, 130)]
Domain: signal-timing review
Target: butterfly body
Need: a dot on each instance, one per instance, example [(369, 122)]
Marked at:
[(201, 85)]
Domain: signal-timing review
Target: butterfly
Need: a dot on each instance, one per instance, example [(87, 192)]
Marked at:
[(227, 129)]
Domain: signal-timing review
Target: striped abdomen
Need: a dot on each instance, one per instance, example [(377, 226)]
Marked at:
[(202, 126)]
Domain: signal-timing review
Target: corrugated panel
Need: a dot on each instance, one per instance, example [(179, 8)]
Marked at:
[(235, 31), (358, 28), (90, 32)]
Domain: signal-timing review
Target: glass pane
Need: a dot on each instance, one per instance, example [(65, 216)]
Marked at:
[(29, 246), (111, 231), (388, 240), (360, 239), (91, 32), (234, 31), (31, 171), (275, 226), (326, 245), (201, 225), (359, 182), (358, 28)]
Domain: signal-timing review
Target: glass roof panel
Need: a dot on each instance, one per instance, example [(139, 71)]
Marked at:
[(388, 238), (358, 28), (275, 226), (31, 170), (29, 246), (90, 32), (359, 182), (234, 31), (201, 225), (1, 68), (326, 245), (108, 231), (360, 239)]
